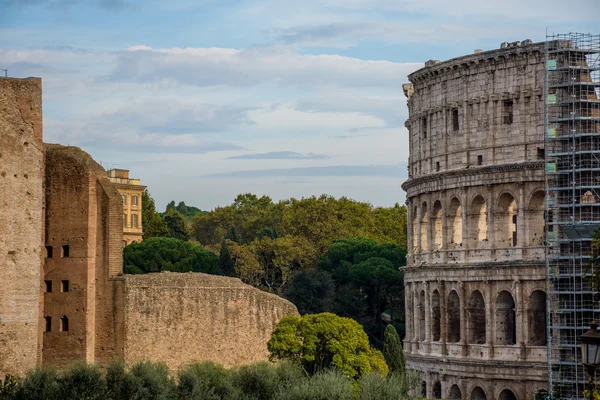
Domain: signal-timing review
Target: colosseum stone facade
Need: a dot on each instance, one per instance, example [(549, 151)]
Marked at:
[(475, 280)]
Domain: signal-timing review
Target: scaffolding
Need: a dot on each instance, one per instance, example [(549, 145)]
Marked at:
[(572, 148)]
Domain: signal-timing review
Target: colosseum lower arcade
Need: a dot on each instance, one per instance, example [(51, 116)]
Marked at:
[(475, 281)]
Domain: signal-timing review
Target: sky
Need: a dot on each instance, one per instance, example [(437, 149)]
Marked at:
[(206, 99)]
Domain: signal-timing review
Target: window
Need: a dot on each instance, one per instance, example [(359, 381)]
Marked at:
[(437, 165), (48, 251), (424, 127), (541, 153), (48, 286), (455, 125), (48, 324), (124, 199), (134, 220), (507, 112), (65, 250), (64, 286), (64, 324), (124, 220), (479, 160), (134, 200)]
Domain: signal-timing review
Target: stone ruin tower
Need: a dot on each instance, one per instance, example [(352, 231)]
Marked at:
[(475, 280)]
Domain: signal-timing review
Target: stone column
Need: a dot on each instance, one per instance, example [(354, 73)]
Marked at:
[(520, 321), (466, 223), (463, 318), (490, 320), (443, 321), (418, 221), (521, 216), (444, 228), (409, 233), (490, 209), (427, 317), (409, 316), (416, 324)]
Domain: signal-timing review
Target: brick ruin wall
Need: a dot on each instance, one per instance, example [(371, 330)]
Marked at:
[(181, 317), (21, 216), (83, 214)]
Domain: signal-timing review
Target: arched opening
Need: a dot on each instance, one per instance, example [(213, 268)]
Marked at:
[(424, 389), (588, 198), (437, 390), (478, 218), (506, 221), (506, 329), (437, 225), (478, 394), (435, 316), (455, 223), (476, 318), (455, 393), (453, 320), (424, 219), (64, 324), (415, 231), (422, 315), (537, 318), (535, 219), (507, 395)]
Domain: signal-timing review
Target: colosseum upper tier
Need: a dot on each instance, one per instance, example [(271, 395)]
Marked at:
[(475, 281)]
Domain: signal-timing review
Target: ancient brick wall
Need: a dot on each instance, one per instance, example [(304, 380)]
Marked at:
[(21, 222), (82, 307), (178, 318)]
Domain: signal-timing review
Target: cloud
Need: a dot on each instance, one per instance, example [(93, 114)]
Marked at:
[(61, 5), (280, 155), (248, 67), (387, 171)]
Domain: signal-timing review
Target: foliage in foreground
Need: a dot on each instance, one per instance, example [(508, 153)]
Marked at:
[(204, 381), (322, 341)]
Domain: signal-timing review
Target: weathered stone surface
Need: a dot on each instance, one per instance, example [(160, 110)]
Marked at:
[(181, 317), (21, 222), (475, 280)]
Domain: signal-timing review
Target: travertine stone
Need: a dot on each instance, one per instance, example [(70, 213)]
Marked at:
[(475, 195), (21, 222)]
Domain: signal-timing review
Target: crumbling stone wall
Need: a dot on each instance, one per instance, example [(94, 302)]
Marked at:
[(82, 307), (21, 222), (181, 317), (475, 280)]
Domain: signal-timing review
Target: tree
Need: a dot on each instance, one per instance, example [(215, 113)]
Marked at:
[(320, 341), (392, 351), (177, 225), (312, 292), (168, 254), (152, 223), (245, 264)]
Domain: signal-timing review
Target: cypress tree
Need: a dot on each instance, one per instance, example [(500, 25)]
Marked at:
[(392, 350)]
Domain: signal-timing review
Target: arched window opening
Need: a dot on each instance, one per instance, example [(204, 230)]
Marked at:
[(424, 225), (478, 394), (453, 320), (537, 318), (437, 390), (507, 395), (424, 389), (435, 316), (535, 219), (478, 218), (455, 393), (437, 225), (476, 318), (64, 324), (506, 221), (455, 223), (48, 323), (588, 198), (415, 240), (506, 329), (422, 316)]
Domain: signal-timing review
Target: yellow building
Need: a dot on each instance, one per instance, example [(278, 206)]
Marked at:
[(131, 191)]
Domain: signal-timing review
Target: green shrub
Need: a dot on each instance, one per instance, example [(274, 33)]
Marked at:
[(289, 373), (374, 386), (324, 385), (258, 381), (206, 381), (82, 381), (150, 381), (40, 384), (8, 387)]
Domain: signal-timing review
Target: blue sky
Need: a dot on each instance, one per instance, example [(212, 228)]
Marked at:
[(206, 99)]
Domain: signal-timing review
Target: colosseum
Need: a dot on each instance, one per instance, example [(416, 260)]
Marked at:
[(475, 281)]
